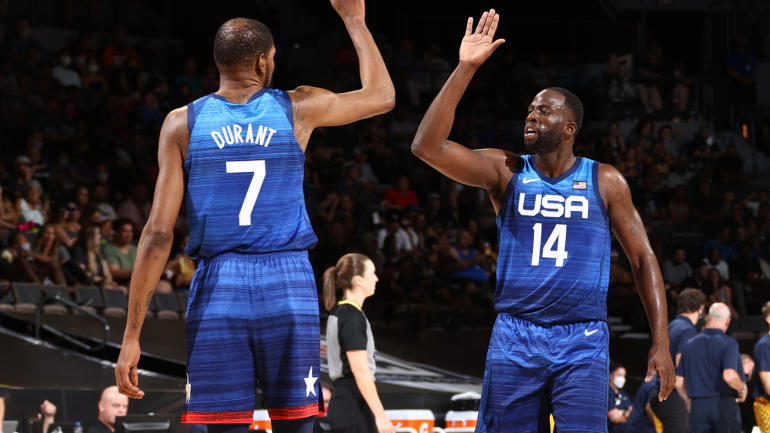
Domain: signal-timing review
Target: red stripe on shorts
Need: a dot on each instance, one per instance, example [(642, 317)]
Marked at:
[(295, 412), (217, 417)]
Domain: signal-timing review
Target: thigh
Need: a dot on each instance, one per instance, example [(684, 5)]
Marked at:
[(221, 383), (286, 336), (515, 380), (581, 379)]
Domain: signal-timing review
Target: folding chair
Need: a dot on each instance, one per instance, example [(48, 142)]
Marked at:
[(115, 303), (27, 296)]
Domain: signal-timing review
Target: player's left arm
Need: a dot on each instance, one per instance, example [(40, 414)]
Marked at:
[(154, 245), (629, 230), (314, 107)]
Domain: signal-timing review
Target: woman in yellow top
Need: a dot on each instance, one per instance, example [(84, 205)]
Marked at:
[(355, 405)]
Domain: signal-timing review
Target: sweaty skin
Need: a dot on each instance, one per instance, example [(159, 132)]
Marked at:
[(313, 107), (492, 169)]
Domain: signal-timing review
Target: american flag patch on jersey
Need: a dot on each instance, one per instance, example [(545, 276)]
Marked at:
[(579, 184)]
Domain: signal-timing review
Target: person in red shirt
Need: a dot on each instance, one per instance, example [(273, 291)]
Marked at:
[(401, 197)]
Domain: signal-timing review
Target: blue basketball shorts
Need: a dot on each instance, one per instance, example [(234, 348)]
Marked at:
[(252, 322), (532, 371)]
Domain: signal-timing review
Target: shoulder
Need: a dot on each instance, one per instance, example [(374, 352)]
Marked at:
[(608, 175)]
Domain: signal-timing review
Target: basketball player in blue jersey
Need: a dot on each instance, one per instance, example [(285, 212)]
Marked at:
[(237, 158), (555, 211)]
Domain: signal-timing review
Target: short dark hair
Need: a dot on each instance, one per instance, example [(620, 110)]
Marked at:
[(690, 300), (239, 41), (573, 103), (615, 366)]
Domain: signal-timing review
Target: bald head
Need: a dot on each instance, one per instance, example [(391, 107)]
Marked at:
[(718, 316), (112, 404), (239, 41)]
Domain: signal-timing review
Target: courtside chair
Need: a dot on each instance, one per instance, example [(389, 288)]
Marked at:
[(27, 296), (168, 306), (6, 297), (89, 298), (55, 307), (115, 303)]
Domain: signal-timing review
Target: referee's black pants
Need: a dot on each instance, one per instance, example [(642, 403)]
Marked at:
[(672, 413), (715, 415)]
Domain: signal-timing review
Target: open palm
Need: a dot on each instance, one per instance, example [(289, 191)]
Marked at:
[(478, 45)]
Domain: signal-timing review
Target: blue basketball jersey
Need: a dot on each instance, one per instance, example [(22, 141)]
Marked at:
[(554, 259), (244, 173)]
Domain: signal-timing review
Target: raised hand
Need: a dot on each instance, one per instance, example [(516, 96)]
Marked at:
[(478, 45), (349, 9)]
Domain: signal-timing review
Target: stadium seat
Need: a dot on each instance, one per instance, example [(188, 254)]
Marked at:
[(91, 296), (27, 296), (182, 298), (115, 303), (55, 307), (6, 297), (167, 306)]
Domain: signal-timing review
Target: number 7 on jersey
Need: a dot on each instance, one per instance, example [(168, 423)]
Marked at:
[(258, 168)]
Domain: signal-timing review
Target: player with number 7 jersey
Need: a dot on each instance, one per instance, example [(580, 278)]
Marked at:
[(237, 157)]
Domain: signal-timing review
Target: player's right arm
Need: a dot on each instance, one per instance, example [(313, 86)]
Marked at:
[(154, 245), (314, 107), (480, 168)]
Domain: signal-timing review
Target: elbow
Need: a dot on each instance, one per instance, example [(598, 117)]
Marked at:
[(157, 236), (388, 99), (417, 148), (729, 376)]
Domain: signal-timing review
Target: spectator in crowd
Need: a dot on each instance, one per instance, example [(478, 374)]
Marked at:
[(31, 207), (180, 269), (401, 196), (60, 220), (650, 73), (64, 73), (714, 261), (742, 67), (111, 404), (706, 205), (120, 254), (47, 415), (137, 206), (468, 260), (612, 139), (676, 269), (710, 375), (41, 259), (620, 405), (8, 217), (400, 238), (87, 255)]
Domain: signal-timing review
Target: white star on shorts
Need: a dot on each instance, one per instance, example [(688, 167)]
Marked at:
[(309, 383)]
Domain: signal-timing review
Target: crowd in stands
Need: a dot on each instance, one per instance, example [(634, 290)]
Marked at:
[(78, 166)]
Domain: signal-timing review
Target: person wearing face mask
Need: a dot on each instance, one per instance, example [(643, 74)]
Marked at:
[(672, 412), (619, 403), (64, 72), (355, 405)]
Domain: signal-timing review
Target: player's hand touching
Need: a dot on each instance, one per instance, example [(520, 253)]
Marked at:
[(478, 45), (350, 9), (126, 375), (659, 360)]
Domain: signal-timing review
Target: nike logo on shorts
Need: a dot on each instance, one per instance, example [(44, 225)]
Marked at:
[(589, 333)]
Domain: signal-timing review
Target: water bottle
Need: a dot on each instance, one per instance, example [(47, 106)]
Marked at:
[(78, 428)]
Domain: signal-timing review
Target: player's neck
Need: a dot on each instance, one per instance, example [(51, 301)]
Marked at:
[(555, 163), (692, 317), (238, 87), (355, 297)]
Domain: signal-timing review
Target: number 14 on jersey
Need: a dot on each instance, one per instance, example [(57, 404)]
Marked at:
[(558, 236)]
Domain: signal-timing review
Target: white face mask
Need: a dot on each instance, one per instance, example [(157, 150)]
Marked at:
[(619, 381)]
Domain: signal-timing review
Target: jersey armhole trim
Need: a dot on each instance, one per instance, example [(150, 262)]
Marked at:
[(597, 192), (190, 119), (509, 189)]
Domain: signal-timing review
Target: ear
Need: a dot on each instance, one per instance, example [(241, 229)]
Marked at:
[(570, 128), (260, 64), (357, 280)]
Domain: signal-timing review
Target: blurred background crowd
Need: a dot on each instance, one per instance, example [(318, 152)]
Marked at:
[(85, 86)]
